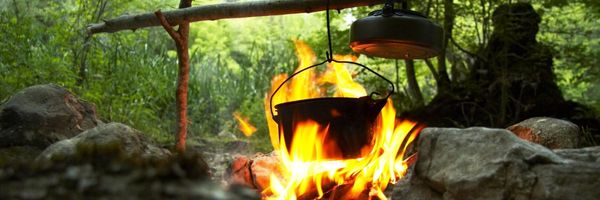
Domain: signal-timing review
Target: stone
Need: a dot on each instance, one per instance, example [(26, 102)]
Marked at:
[(484, 163), (227, 135), (43, 114), (177, 177), (16, 154), (588, 154), (129, 140), (238, 146), (412, 187), (549, 132)]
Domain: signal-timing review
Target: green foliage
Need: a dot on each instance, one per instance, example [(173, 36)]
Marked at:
[(573, 32), (128, 74), (131, 76)]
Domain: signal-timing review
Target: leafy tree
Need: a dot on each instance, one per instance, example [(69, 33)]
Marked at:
[(131, 76)]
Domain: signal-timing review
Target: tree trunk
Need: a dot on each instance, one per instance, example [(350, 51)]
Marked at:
[(82, 61), (413, 86), (223, 11), (444, 79), (86, 46), (398, 82), (397, 66), (181, 42), (17, 12)]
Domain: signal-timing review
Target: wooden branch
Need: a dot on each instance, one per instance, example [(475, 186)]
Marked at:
[(463, 49), (183, 76), (180, 37), (165, 24), (224, 11), (432, 69)]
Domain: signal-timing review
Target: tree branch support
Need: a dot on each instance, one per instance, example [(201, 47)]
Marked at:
[(180, 37), (224, 11)]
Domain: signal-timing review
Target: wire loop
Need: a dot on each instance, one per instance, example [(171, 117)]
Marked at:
[(329, 59)]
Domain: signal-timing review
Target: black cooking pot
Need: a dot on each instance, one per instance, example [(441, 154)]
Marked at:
[(349, 121)]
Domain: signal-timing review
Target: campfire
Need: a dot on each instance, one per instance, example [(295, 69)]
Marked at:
[(312, 163)]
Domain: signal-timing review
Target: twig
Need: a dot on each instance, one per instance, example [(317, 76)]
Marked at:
[(436, 76), (463, 49)]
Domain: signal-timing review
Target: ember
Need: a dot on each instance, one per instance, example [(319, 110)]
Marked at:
[(308, 172)]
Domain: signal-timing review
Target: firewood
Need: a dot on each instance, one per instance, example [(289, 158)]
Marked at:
[(239, 172)]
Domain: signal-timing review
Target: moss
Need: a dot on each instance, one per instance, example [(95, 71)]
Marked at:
[(18, 154)]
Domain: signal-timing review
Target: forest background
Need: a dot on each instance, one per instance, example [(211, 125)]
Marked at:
[(131, 75)]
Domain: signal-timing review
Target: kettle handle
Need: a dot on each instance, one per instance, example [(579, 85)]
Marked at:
[(330, 60)]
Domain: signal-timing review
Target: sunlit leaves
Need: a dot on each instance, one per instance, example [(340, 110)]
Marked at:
[(573, 32)]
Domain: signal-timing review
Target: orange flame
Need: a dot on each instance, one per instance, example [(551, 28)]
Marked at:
[(244, 124), (339, 76), (305, 169)]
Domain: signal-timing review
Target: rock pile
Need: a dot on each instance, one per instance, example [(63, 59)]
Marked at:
[(479, 163), (483, 163), (85, 158)]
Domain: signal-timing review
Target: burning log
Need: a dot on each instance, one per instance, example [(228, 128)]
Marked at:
[(308, 163), (313, 193), (255, 171), (240, 172)]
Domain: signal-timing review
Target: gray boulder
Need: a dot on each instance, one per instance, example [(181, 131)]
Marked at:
[(483, 163), (588, 154), (550, 132), (112, 135), (43, 114), (412, 187)]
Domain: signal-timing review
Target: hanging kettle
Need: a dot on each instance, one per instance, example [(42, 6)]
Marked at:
[(396, 33)]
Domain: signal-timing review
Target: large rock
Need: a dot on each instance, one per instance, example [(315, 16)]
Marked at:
[(183, 176), (18, 154), (43, 114), (549, 132), (412, 187), (588, 154), (111, 135), (482, 163)]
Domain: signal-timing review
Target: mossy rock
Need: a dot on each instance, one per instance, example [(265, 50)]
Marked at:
[(18, 154)]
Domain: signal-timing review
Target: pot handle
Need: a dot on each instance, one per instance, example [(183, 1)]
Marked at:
[(330, 60)]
